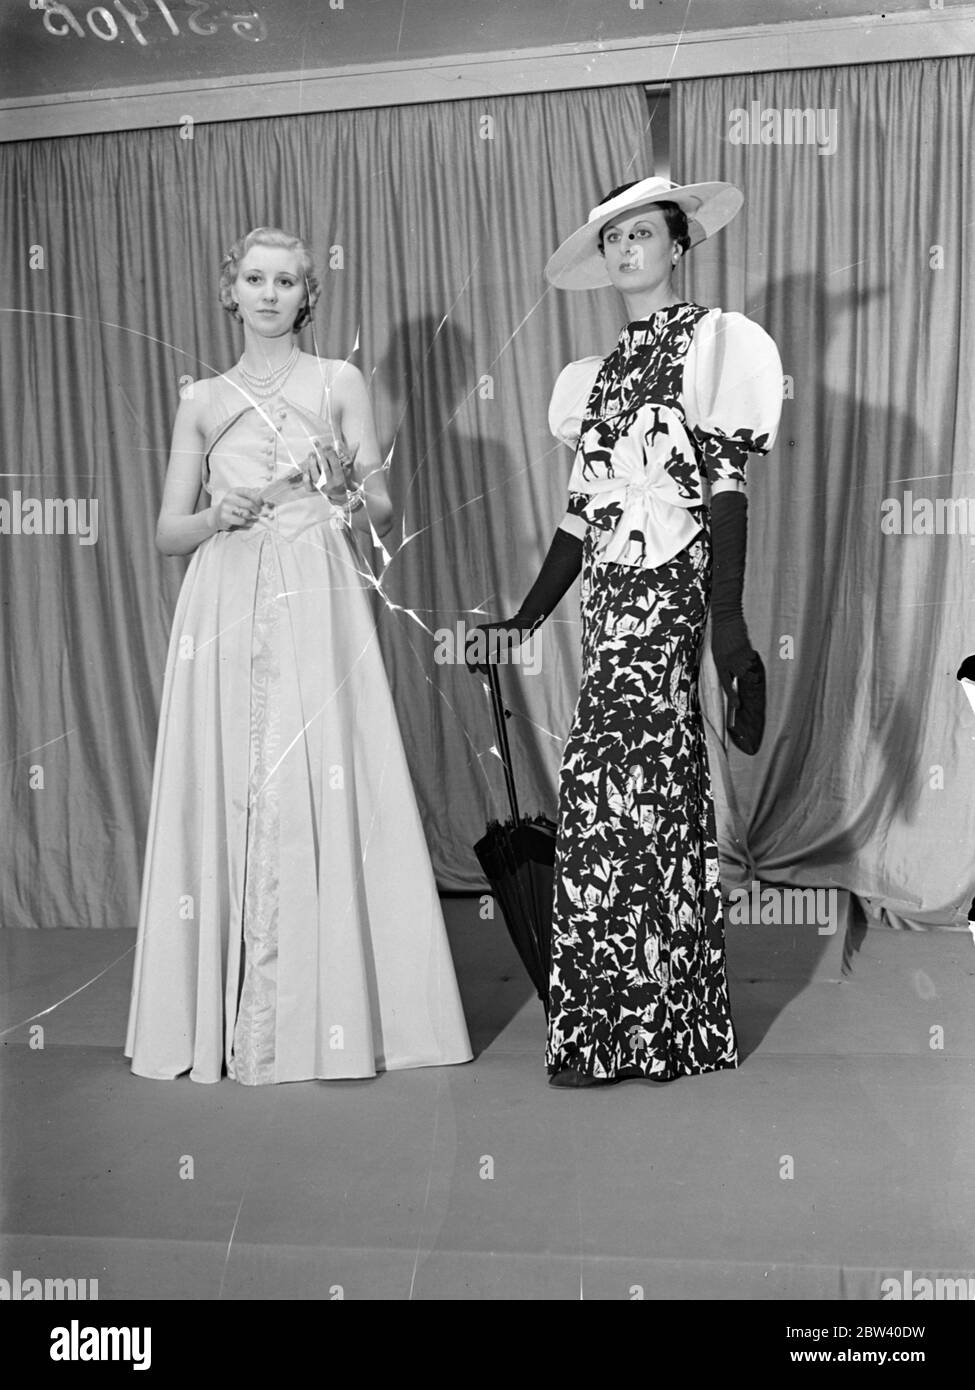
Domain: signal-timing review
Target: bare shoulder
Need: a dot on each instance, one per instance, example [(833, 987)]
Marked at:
[(201, 403), (196, 397), (345, 378), (327, 373)]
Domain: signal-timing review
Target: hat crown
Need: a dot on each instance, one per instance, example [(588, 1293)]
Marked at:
[(633, 196)]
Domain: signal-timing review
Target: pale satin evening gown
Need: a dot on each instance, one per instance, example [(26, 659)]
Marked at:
[(289, 926)]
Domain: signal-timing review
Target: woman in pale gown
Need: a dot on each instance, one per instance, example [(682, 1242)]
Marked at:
[(289, 926)]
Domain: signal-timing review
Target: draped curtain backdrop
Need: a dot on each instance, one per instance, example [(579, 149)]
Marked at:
[(431, 226), (858, 260)]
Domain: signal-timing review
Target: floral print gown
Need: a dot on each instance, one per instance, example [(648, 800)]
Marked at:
[(638, 977)]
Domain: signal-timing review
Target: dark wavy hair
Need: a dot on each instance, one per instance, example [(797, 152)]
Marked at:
[(270, 236), (674, 216)]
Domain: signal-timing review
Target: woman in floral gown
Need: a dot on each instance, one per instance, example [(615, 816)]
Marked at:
[(656, 522)]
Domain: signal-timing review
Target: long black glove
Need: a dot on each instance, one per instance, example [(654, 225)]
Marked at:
[(740, 668), (559, 568)]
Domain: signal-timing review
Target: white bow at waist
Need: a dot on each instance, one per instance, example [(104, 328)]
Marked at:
[(641, 487)]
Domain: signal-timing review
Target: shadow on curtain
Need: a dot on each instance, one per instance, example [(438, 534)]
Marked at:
[(858, 591), (431, 226)]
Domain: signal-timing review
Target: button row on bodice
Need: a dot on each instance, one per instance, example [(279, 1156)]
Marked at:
[(278, 410)]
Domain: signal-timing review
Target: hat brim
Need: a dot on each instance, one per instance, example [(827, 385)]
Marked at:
[(578, 264)]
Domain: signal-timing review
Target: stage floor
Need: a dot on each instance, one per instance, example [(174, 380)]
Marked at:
[(840, 1154)]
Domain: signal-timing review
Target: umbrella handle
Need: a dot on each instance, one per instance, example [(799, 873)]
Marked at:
[(499, 712)]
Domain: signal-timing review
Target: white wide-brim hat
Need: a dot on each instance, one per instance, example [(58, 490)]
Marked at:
[(578, 263)]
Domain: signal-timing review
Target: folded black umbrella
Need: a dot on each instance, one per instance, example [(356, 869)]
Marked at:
[(518, 859)]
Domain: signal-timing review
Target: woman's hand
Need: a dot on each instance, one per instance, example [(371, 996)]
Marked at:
[(330, 469), (240, 507), (493, 644)]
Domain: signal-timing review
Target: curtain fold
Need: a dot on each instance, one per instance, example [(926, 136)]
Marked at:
[(862, 521), (431, 226)]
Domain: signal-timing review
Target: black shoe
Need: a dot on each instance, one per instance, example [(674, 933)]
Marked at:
[(568, 1076)]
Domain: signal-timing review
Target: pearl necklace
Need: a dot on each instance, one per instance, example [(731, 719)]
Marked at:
[(269, 384)]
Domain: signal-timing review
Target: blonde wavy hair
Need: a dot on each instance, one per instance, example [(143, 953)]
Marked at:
[(269, 236)]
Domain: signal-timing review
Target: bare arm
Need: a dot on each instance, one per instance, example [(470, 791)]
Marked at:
[(575, 525), (353, 413), (181, 528), (727, 485)]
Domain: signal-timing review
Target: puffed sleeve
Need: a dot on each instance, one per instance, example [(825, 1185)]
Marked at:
[(732, 392), (570, 396)]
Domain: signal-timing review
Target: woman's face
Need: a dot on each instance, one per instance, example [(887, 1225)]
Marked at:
[(638, 251), (270, 290)]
